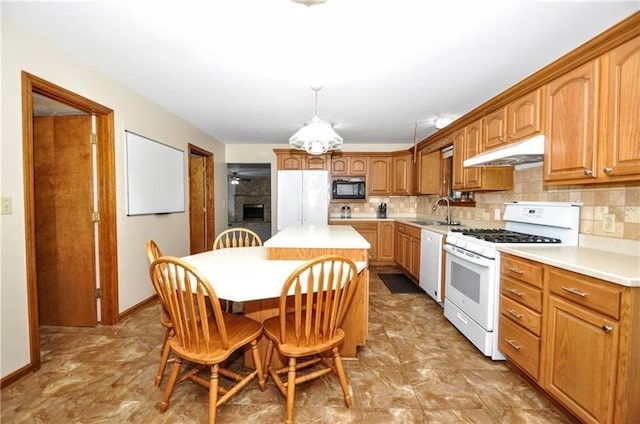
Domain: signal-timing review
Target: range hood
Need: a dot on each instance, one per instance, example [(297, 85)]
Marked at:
[(526, 151)]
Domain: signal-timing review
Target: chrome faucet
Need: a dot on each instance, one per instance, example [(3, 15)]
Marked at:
[(435, 206)]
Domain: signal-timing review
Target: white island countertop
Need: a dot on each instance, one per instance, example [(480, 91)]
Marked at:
[(318, 237), (606, 265)]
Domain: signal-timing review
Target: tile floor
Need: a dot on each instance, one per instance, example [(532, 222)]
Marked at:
[(415, 368)]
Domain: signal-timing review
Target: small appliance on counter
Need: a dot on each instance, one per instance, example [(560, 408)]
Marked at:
[(382, 211), (345, 212)]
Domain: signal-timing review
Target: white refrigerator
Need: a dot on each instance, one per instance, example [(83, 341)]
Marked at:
[(303, 198)]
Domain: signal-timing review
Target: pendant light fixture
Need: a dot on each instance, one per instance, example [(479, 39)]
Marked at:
[(317, 137)]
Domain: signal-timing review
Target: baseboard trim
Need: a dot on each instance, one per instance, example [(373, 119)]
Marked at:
[(15, 376), (138, 307)]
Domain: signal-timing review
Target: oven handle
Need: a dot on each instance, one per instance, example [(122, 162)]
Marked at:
[(473, 259)]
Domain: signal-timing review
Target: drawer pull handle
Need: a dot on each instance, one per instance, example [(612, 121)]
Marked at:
[(513, 344), (514, 291), (516, 270), (607, 328), (514, 313), (575, 291)]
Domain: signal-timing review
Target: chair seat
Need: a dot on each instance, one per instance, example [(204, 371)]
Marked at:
[(240, 331), (272, 331)]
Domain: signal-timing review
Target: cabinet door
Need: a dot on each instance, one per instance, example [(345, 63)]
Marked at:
[(473, 146), (415, 258), (430, 172), (290, 161), (397, 243), (357, 165), (524, 118), (495, 129), (371, 235), (458, 159), (385, 240), (379, 175), (622, 146), (571, 124), (338, 166), (401, 171), (316, 163), (582, 354)]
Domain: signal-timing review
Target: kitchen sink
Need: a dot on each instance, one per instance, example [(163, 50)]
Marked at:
[(435, 223)]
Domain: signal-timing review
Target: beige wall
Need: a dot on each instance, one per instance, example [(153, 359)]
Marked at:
[(22, 50)]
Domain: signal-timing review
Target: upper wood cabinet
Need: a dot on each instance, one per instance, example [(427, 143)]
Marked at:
[(467, 143), (621, 142), (379, 175), (348, 165), (593, 136), (571, 124), (430, 172), (402, 174), (298, 160), (519, 119)]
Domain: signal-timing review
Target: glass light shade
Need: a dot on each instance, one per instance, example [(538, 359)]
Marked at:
[(235, 181), (316, 138)]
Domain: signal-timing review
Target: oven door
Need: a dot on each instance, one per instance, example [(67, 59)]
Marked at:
[(470, 284)]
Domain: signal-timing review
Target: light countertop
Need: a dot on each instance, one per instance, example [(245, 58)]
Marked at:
[(318, 237), (616, 267)]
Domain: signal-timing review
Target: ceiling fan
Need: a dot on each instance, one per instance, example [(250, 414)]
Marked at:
[(235, 179)]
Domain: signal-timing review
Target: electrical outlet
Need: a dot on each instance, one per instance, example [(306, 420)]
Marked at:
[(7, 208), (608, 223), (496, 214)]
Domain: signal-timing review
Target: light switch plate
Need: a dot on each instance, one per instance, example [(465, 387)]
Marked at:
[(7, 207)]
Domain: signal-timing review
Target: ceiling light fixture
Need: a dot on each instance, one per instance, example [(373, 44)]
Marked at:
[(441, 122), (309, 2), (316, 137)]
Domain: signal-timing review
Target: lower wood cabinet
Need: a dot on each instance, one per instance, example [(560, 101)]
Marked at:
[(580, 344), (407, 251), (379, 234)]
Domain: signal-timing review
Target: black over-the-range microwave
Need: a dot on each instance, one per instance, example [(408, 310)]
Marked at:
[(349, 189)]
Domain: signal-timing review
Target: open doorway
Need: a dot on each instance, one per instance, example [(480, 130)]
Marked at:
[(57, 197), (249, 201)]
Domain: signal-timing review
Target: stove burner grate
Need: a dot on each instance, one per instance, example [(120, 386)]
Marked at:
[(498, 235)]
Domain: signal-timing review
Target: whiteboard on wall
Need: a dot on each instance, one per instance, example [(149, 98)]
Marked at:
[(155, 177)]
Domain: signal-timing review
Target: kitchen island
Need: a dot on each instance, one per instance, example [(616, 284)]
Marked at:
[(255, 275)]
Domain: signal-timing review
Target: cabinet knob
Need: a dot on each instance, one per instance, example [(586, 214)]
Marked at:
[(512, 136), (607, 328), (588, 172), (501, 139), (607, 170)]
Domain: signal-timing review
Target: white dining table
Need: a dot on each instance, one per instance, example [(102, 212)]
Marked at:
[(244, 274)]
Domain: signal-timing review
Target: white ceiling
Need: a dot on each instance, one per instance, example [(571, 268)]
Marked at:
[(240, 69)]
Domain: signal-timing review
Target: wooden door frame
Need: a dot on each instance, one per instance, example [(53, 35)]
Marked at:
[(107, 247), (210, 195)]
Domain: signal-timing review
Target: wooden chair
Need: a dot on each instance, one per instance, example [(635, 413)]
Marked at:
[(236, 237), (153, 253), (312, 328), (206, 340)]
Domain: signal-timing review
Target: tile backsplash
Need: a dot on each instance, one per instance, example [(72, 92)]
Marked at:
[(622, 201)]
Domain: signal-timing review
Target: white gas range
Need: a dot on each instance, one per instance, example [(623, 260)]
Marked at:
[(473, 264)]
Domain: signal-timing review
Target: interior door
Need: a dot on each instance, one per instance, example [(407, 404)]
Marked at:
[(197, 204), (65, 241)]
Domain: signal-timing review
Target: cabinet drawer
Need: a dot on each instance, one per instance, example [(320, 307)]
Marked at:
[(520, 346), (595, 294), (521, 315), (364, 225), (521, 293), (413, 231), (522, 269)]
